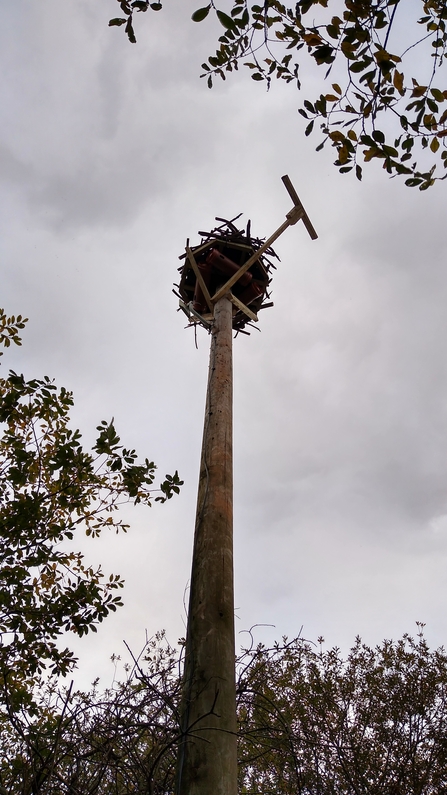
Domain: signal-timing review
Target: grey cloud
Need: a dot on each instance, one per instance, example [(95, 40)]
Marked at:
[(116, 155)]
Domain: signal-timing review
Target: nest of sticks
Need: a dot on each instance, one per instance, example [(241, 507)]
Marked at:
[(219, 255)]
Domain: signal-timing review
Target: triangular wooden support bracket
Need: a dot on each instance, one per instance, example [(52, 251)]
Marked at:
[(189, 311), (239, 305)]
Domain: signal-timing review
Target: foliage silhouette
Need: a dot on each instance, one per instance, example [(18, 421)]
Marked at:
[(310, 723), (50, 490), (385, 102)]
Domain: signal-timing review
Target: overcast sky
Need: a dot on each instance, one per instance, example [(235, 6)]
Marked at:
[(112, 155)]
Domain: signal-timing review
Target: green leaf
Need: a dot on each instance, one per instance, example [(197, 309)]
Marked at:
[(201, 14), (438, 95), (225, 20), (117, 21), (378, 136), (309, 128), (359, 66), (130, 31)]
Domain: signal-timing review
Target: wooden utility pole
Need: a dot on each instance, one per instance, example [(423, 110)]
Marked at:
[(207, 759)]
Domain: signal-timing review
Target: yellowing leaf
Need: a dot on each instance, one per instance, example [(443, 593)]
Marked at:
[(398, 81), (418, 91)]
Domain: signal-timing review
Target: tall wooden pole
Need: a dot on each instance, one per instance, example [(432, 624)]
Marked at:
[(207, 763)]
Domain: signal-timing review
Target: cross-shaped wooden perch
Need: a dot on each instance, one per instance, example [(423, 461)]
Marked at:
[(293, 216)]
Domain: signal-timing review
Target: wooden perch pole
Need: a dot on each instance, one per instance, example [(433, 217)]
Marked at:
[(207, 756), (207, 763)]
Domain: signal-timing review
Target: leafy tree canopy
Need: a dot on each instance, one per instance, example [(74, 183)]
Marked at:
[(382, 93), (310, 722), (50, 490)]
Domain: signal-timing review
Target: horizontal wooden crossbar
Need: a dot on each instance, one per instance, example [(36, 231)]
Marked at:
[(296, 202)]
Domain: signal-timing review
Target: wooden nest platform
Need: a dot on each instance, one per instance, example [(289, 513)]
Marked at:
[(229, 262), (220, 255)]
